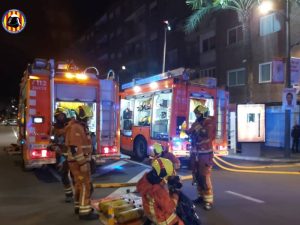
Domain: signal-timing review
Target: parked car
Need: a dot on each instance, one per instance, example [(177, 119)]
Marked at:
[(11, 122)]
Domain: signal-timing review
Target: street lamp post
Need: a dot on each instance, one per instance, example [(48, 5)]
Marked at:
[(166, 28)]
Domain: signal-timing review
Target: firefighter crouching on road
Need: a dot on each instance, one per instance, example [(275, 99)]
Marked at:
[(202, 133), (79, 155), (158, 151), (59, 146), (159, 206)]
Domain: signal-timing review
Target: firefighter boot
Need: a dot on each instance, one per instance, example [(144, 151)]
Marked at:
[(90, 216), (207, 206), (198, 200), (68, 199)]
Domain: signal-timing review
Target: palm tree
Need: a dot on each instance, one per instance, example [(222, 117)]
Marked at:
[(203, 8)]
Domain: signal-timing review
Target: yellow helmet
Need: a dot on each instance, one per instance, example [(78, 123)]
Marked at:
[(200, 109), (60, 110), (84, 112), (158, 149), (163, 167)]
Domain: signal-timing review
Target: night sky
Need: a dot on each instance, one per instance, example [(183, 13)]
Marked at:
[(52, 25)]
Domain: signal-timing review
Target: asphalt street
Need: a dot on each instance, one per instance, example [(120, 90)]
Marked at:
[(36, 197)]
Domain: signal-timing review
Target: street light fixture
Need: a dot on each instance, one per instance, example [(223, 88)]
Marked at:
[(167, 28)]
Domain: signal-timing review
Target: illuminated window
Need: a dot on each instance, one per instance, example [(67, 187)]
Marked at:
[(269, 24), (265, 72), (236, 77)]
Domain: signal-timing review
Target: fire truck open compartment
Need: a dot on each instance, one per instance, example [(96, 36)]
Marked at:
[(71, 107)]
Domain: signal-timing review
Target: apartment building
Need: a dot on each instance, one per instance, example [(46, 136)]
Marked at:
[(131, 34)]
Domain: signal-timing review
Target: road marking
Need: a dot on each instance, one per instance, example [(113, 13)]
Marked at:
[(245, 197), (138, 163), (123, 190), (108, 168), (15, 133)]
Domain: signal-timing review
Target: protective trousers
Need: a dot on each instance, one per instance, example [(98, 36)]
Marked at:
[(201, 166), (66, 180), (82, 186)]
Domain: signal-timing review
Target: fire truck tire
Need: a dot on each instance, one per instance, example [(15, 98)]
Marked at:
[(140, 148)]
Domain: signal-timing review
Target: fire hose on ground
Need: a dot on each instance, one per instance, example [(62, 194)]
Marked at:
[(252, 169)]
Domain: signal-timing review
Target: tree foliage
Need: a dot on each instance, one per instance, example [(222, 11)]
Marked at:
[(202, 8)]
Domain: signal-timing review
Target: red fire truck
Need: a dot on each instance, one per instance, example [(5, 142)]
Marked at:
[(47, 85), (154, 109)]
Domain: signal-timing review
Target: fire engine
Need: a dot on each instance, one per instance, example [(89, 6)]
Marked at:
[(154, 109), (47, 85)]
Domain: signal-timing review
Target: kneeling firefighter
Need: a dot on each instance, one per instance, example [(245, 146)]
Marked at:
[(79, 155), (159, 206), (202, 133)]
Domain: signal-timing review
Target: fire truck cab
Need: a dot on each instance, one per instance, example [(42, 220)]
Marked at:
[(155, 109), (48, 85)]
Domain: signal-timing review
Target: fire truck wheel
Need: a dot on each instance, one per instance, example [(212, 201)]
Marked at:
[(140, 148)]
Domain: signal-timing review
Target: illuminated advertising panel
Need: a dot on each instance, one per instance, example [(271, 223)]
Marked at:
[(251, 122)]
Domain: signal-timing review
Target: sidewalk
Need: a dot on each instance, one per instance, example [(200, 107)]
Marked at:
[(266, 155)]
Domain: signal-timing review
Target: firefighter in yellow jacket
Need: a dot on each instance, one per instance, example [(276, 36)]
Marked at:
[(202, 133), (79, 155)]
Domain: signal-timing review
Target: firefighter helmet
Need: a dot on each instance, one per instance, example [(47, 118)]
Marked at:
[(200, 109), (163, 167), (13, 21), (61, 110), (84, 112), (156, 149)]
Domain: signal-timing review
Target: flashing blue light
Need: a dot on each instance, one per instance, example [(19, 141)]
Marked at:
[(118, 168)]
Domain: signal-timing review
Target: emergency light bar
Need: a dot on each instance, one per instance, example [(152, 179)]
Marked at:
[(62, 66), (154, 78), (37, 119)]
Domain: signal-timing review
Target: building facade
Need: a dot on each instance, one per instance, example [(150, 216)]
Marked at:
[(131, 34)]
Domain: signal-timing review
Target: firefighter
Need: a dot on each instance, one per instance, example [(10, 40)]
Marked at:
[(202, 133), (159, 151), (159, 206), (58, 133), (79, 155)]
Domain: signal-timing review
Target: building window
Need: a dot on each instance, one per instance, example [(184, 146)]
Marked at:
[(236, 77), (234, 35), (269, 24), (208, 44), (265, 70), (208, 72)]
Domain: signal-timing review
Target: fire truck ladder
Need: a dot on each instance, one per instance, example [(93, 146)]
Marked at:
[(108, 121)]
